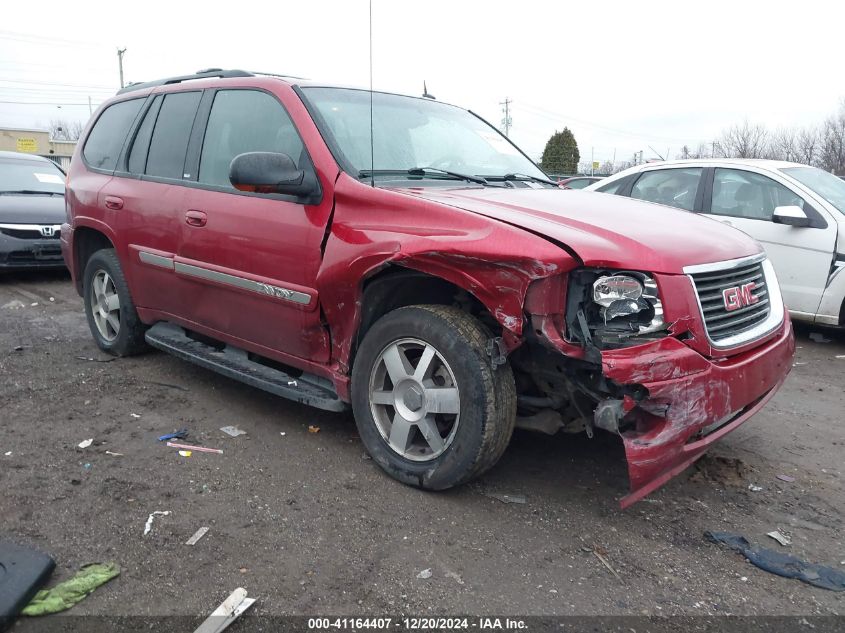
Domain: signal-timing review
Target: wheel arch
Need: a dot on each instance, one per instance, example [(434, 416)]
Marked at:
[(395, 286), (87, 241)]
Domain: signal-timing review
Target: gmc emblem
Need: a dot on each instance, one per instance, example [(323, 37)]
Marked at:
[(739, 296)]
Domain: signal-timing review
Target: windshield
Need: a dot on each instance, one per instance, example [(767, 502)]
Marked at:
[(410, 133), (30, 176), (824, 184)]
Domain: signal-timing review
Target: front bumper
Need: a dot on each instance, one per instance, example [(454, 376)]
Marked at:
[(692, 401), (26, 254)]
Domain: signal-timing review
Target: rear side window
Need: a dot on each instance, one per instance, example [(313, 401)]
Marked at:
[(245, 121), (672, 187), (138, 153), (106, 139), (169, 143), (613, 187)]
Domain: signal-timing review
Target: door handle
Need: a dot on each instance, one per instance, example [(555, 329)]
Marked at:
[(113, 202), (195, 218)]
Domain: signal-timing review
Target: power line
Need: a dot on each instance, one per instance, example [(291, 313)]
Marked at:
[(31, 38), (542, 112), (55, 103), (53, 83)]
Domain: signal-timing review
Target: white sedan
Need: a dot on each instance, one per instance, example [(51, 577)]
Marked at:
[(796, 212)]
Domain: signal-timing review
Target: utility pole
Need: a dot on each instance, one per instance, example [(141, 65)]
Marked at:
[(506, 121), (120, 52)]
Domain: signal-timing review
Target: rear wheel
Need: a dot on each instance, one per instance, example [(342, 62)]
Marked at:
[(430, 408), (111, 315)]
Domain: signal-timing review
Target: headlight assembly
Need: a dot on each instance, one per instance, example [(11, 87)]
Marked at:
[(619, 308)]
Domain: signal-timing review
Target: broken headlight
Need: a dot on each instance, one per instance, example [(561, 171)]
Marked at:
[(616, 308)]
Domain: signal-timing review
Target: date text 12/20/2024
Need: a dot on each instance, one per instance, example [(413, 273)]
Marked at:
[(416, 623)]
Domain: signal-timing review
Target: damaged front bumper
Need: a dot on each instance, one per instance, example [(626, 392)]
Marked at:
[(692, 401)]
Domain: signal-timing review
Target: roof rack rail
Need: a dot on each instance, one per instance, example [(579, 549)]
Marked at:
[(201, 74), (280, 76)]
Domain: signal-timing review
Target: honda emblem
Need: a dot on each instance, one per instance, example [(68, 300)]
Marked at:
[(47, 231), (739, 296)]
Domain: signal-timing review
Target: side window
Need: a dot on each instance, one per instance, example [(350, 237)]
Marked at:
[(672, 187), (613, 187), (138, 153), (103, 145), (169, 143), (744, 194), (245, 121)]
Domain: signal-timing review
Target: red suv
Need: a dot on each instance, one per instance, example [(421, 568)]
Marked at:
[(398, 255)]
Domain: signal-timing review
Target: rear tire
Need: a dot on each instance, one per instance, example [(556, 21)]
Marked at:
[(430, 408), (111, 314)]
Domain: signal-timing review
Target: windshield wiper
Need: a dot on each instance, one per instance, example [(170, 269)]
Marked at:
[(422, 171), (30, 192), (545, 181)]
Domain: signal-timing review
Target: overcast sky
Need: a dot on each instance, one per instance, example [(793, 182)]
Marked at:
[(622, 75)]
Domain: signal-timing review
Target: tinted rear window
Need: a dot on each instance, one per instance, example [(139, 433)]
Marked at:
[(106, 138), (169, 143)]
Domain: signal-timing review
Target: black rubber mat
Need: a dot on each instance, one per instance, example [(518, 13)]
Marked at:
[(23, 572)]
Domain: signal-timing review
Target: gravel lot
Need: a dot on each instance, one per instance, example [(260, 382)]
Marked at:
[(308, 525)]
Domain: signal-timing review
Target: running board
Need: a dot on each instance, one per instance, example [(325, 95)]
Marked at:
[(235, 363)]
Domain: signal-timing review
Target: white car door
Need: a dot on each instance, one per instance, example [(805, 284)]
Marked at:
[(801, 256)]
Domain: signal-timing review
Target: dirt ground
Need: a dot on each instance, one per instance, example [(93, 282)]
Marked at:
[(309, 525)]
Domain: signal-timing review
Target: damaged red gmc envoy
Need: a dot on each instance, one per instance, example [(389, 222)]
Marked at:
[(400, 256)]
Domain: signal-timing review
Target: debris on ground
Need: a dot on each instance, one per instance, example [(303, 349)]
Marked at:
[(200, 449), (782, 564), (149, 524), (232, 430), (68, 593), (754, 487), (185, 453), (228, 611), (114, 454), (506, 498), (786, 478), (181, 434), (601, 554), (783, 539), (425, 574), (840, 356), (313, 429), (7, 453), (819, 338), (197, 536), (135, 415), (282, 433), (86, 443), (454, 576), (96, 360)]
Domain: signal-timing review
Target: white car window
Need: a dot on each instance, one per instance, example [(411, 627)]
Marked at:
[(744, 194), (673, 187)]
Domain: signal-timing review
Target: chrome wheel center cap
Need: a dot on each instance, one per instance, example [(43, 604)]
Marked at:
[(413, 398)]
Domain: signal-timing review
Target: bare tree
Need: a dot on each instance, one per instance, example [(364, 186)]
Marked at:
[(743, 141), (784, 145), (63, 130), (807, 144), (832, 143)]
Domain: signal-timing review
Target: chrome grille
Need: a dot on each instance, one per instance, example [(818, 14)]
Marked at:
[(720, 322)]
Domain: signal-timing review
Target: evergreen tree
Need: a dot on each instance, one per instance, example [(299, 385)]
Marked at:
[(561, 154)]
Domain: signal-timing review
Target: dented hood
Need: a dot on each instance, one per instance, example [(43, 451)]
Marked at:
[(605, 229)]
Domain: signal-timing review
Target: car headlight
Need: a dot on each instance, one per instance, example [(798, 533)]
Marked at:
[(618, 308)]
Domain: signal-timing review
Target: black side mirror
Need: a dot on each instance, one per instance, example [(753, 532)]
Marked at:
[(268, 172)]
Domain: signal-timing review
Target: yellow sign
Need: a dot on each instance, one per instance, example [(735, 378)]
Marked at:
[(595, 164), (29, 145)]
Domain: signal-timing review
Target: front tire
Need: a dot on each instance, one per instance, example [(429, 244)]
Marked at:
[(111, 314), (429, 406)]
